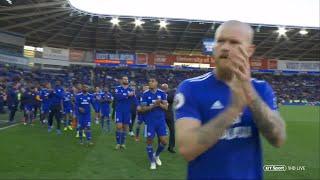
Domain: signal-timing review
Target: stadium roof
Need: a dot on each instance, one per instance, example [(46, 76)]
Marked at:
[(283, 12), (56, 23)]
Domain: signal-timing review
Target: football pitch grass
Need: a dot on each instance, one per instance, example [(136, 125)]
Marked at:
[(33, 153)]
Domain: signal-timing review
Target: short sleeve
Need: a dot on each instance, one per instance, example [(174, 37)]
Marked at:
[(143, 100), (185, 105), (60, 93), (164, 97), (268, 96)]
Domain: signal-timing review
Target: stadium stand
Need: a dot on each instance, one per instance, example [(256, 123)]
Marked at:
[(289, 88)]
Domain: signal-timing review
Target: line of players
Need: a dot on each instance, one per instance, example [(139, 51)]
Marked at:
[(75, 103), (67, 104)]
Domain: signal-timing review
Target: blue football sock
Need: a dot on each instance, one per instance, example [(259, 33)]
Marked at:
[(160, 148), (150, 153), (123, 138), (88, 134), (118, 136)]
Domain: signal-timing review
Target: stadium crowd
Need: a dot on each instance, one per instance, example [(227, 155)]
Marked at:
[(288, 88)]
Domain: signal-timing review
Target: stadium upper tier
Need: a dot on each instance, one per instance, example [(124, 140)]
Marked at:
[(57, 24)]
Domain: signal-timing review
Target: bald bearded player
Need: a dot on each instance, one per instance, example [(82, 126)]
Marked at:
[(220, 116)]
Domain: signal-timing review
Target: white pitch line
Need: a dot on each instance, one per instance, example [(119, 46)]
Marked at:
[(3, 128)]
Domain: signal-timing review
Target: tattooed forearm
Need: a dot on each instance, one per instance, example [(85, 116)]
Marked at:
[(215, 129), (202, 136), (269, 123), (193, 141)]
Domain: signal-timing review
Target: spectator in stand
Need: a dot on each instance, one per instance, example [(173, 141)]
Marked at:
[(286, 87), (3, 98)]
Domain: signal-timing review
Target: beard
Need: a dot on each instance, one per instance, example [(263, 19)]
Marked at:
[(125, 83), (223, 69)]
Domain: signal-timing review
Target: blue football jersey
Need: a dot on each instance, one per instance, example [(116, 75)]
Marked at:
[(44, 95), (75, 105), (122, 98), (149, 98), (134, 103), (237, 154), (67, 99), (29, 98), (140, 103), (56, 96), (106, 98), (84, 101), (97, 97)]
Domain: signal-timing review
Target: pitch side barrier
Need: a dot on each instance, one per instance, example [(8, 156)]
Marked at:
[(301, 104)]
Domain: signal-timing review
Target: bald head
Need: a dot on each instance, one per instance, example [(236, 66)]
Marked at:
[(164, 87), (237, 27), (230, 37)]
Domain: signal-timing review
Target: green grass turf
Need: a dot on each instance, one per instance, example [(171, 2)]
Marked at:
[(5, 117), (33, 153), (302, 145)]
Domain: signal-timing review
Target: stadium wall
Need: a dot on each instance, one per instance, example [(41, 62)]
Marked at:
[(58, 57), (14, 60)]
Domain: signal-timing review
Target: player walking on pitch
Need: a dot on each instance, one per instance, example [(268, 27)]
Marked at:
[(154, 103), (123, 95)]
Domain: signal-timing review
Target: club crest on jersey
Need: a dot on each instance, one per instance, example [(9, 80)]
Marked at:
[(179, 100)]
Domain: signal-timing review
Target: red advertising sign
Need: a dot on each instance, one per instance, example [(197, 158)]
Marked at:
[(213, 62), (258, 64), (106, 61), (194, 59), (160, 59), (142, 59)]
